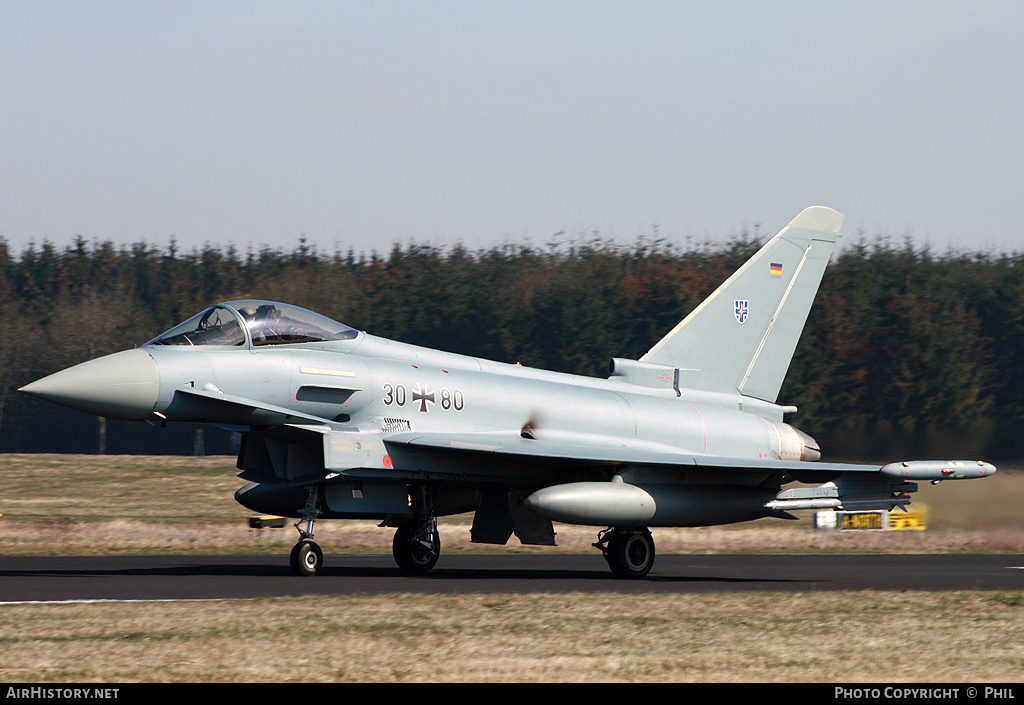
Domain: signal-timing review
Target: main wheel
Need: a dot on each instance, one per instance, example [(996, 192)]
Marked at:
[(416, 546), (306, 558), (630, 555)]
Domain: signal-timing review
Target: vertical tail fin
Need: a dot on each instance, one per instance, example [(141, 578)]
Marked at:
[(741, 339)]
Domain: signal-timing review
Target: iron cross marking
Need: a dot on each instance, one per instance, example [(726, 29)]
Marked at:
[(421, 395)]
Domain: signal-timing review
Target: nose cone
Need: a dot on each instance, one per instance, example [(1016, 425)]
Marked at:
[(122, 386)]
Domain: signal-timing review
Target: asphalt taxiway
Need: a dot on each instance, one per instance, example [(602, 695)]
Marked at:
[(195, 577)]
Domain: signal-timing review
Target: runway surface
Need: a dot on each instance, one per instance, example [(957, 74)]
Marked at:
[(178, 577)]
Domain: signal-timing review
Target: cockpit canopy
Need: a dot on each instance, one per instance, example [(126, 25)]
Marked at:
[(257, 323)]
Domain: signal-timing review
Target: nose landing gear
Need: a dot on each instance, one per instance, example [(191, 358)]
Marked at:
[(306, 558)]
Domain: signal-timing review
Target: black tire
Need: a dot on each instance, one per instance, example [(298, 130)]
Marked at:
[(410, 553), (306, 558), (630, 555)]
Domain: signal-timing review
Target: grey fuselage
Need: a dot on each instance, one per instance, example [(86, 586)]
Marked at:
[(374, 386)]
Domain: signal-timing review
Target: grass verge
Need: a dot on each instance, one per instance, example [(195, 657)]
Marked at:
[(874, 637)]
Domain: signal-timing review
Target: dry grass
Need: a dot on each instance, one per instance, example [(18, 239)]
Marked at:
[(799, 637)]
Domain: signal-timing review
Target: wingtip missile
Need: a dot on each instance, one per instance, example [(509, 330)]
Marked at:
[(938, 470)]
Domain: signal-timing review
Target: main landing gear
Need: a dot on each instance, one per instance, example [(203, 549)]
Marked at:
[(417, 546), (629, 552)]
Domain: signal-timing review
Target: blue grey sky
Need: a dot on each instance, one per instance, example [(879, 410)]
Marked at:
[(362, 124)]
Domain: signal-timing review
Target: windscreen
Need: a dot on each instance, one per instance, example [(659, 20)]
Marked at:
[(216, 325)]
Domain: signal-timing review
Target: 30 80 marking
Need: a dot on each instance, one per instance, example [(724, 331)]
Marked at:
[(398, 395)]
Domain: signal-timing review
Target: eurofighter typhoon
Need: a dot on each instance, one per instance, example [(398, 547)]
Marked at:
[(338, 423)]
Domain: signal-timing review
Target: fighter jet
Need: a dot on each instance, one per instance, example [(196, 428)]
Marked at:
[(338, 423)]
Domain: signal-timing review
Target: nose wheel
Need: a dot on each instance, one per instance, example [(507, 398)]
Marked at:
[(306, 558)]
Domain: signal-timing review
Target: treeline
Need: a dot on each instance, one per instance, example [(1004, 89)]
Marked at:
[(905, 352)]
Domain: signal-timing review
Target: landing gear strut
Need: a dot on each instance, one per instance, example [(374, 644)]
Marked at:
[(306, 557), (629, 552)]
